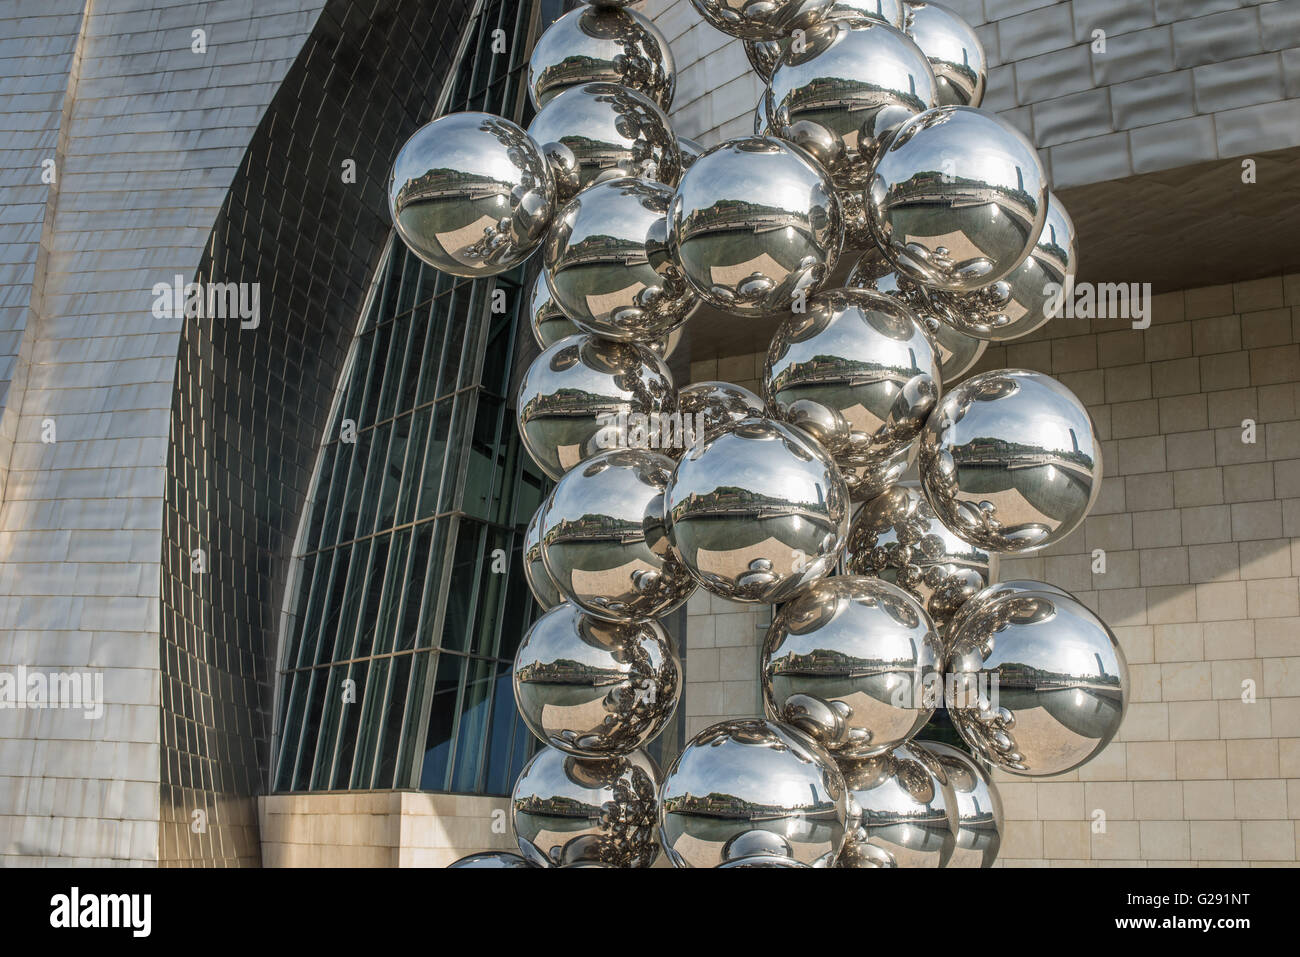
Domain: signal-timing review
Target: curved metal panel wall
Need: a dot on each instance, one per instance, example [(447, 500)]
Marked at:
[(251, 401)]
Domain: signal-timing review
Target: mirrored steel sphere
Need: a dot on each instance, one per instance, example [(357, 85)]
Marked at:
[(578, 396), (764, 55), (754, 222), (855, 207), (958, 198), (857, 372), (1027, 298), (763, 860), (751, 787), (603, 537), (954, 51), (601, 131), (841, 94), (904, 810), (886, 11), (957, 351), (596, 43), (471, 194), (766, 20), (596, 688), (549, 323), (897, 537), (1038, 683), (757, 511), (1010, 460), (865, 482), (569, 810), (491, 861), (666, 345), (997, 590), (979, 808), (713, 406), (689, 150), (539, 579), (760, 117), (853, 662), (607, 262)]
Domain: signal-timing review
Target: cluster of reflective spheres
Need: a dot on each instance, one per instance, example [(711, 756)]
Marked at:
[(851, 669), (868, 141)]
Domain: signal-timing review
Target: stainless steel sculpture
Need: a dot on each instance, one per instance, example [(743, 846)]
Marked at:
[(600, 131), (576, 398), (897, 537), (607, 262), (766, 20), (867, 481), (471, 194), (856, 372), (958, 352), (979, 808), (604, 543), (886, 11), (548, 321), (715, 405), (764, 55), (760, 117), (762, 860), (958, 198), (491, 861), (854, 663), (842, 92), (689, 150), (752, 787), (539, 579), (904, 814), (867, 138), (997, 590), (755, 222), (1011, 461), (1039, 685), (757, 511), (568, 810), (1026, 299), (595, 688), (595, 43), (953, 49), (550, 324)]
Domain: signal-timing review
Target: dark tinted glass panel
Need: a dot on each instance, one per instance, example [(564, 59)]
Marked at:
[(471, 731), (421, 497), (442, 723)]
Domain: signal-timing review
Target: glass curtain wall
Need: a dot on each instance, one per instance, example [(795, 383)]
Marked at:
[(411, 602)]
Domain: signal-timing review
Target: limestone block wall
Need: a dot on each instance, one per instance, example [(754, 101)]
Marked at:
[(380, 828), (1201, 534)]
